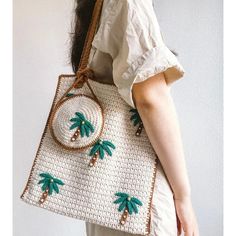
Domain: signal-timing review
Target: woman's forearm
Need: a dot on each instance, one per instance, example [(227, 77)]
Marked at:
[(157, 112)]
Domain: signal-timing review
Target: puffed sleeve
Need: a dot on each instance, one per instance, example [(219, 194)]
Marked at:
[(131, 35)]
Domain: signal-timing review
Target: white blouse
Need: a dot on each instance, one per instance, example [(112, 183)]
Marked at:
[(129, 48)]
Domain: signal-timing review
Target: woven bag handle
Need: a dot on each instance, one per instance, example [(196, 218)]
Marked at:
[(83, 72), (90, 35)]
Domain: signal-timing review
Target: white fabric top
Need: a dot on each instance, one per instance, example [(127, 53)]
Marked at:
[(129, 48)]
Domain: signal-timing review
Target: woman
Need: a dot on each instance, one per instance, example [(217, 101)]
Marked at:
[(128, 51)]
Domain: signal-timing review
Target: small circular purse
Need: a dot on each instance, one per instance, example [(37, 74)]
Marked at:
[(78, 119)]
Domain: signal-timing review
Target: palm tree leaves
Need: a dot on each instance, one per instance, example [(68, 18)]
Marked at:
[(94, 149), (49, 183), (80, 115), (108, 143), (50, 188), (107, 149), (90, 126), (136, 200), (101, 152), (130, 207), (134, 207), (69, 95), (135, 117), (55, 187), (102, 147), (127, 202), (81, 123), (122, 206), (45, 184), (119, 194), (136, 121), (45, 175), (120, 199), (58, 181), (82, 130), (75, 125)]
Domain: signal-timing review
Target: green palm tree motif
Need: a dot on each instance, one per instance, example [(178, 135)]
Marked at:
[(82, 126), (49, 184), (100, 148), (136, 121), (128, 204), (69, 95)]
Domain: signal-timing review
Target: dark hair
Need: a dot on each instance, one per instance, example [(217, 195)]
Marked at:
[(83, 15)]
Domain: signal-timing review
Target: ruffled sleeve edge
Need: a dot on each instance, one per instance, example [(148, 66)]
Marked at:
[(156, 60)]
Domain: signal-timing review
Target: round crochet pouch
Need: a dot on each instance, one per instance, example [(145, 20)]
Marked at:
[(77, 122)]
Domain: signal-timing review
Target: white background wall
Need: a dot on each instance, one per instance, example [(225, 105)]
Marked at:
[(41, 42)]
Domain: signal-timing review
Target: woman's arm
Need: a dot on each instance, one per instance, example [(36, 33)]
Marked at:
[(155, 106), (157, 111)]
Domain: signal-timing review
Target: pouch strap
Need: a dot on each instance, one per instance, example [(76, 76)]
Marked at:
[(90, 34), (83, 72)]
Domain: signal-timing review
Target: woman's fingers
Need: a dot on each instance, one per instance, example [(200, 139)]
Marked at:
[(186, 218), (191, 229), (196, 230), (188, 230), (179, 226)]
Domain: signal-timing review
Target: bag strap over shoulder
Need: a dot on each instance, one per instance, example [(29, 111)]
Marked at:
[(90, 35), (83, 72)]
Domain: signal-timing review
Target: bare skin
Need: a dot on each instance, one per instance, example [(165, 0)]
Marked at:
[(154, 103)]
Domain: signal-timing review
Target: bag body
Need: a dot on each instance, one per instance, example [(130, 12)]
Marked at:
[(64, 181)]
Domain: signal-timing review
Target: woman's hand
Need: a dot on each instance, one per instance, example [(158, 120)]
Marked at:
[(186, 217)]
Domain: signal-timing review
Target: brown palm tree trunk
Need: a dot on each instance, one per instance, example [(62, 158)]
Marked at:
[(139, 130), (44, 196), (75, 135), (124, 217), (93, 160)]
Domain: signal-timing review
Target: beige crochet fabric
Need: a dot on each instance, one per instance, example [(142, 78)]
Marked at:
[(88, 193)]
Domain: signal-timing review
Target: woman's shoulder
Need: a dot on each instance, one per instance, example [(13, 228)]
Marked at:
[(127, 19)]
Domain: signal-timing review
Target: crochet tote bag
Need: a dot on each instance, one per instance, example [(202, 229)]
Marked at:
[(95, 161)]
